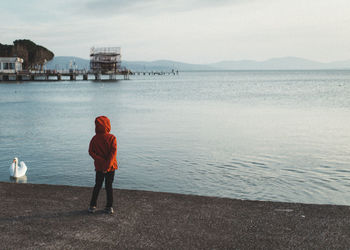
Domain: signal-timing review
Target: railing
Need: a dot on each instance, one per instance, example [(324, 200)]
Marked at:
[(112, 59), (105, 50)]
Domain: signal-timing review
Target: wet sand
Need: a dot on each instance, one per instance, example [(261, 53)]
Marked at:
[(36, 216)]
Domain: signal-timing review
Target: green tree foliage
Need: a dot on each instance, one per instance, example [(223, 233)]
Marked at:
[(33, 55)]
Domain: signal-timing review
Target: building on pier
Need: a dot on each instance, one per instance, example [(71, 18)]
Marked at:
[(105, 60), (10, 65)]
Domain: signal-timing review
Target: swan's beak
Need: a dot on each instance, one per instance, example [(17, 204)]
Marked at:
[(13, 160)]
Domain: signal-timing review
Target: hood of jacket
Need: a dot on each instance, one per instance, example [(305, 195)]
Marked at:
[(102, 125)]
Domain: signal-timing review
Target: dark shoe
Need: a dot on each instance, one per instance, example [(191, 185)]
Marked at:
[(109, 210), (92, 209)]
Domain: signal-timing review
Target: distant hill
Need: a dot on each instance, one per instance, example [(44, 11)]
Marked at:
[(271, 64), (67, 62), (163, 65), (340, 64), (31, 53), (283, 63)]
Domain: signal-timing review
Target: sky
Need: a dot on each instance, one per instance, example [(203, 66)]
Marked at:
[(192, 31)]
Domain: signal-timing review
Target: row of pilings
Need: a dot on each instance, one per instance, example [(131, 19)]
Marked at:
[(59, 76), (52, 75)]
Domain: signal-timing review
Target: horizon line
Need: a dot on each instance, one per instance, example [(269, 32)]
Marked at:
[(238, 60)]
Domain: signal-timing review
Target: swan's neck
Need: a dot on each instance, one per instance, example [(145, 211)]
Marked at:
[(15, 170)]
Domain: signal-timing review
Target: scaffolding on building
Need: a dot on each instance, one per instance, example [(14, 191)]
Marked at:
[(105, 60)]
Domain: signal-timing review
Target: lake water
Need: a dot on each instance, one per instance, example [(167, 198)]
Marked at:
[(261, 135)]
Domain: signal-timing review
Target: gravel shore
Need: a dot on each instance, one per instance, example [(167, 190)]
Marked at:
[(34, 216)]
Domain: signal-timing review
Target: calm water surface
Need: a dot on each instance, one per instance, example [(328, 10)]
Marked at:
[(266, 135)]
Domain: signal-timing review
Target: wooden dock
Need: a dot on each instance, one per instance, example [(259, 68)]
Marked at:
[(62, 75), (173, 72), (73, 75)]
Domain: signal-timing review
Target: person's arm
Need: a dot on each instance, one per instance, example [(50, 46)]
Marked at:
[(92, 152), (113, 153)]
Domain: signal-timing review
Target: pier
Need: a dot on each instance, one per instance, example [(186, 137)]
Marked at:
[(73, 75), (173, 72), (105, 64), (62, 75)]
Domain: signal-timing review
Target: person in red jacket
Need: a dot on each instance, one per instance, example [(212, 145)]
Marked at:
[(103, 149)]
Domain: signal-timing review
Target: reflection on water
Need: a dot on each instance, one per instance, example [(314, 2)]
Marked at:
[(268, 135), (22, 179)]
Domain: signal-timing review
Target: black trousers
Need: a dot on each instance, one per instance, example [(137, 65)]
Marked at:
[(100, 177)]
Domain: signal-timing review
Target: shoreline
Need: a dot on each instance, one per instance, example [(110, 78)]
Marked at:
[(55, 216), (178, 193)]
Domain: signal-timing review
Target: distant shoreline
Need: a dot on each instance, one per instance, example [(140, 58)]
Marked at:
[(284, 63)]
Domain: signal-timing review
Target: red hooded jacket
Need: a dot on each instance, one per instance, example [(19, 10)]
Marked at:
[(103, 146)]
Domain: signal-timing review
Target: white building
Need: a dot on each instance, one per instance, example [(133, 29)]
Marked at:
[(10, 65)]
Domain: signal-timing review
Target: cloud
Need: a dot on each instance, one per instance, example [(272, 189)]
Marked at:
[(36, 11), (116, 6), (153, 6), (185, 30)]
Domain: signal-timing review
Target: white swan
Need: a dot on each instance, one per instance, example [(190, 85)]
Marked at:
[(22, 179), (17, 171)]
